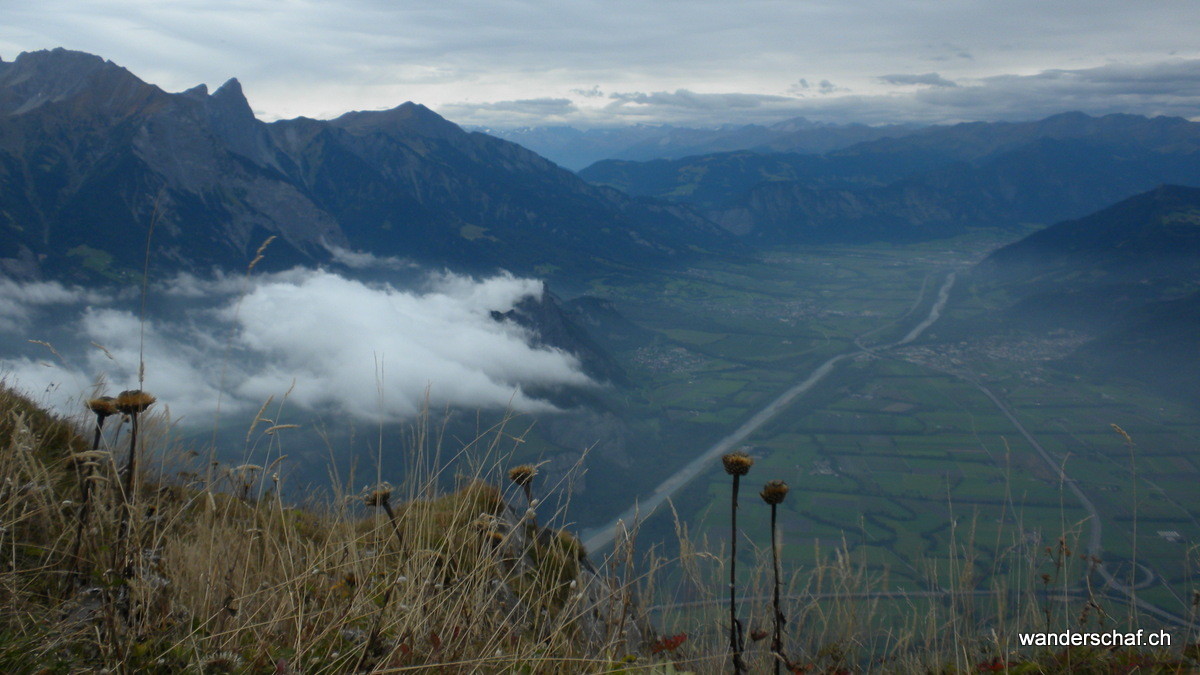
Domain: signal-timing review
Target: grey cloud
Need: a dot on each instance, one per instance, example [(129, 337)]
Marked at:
[(803, 87), (1163, 88), (827, 87), (930, 79), (1168, 88), (594, 92), (534, 106), (219, 284), (683, 98), (360, 260), (1180, 77), (21, 302), (320, 59), (947, 52), (502, 113), (800, 88)]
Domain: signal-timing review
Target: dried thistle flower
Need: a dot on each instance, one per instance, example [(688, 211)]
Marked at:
[(89, 457), (133, 401), (245, 468), (103, 406), (522, 475), (380, 495), (737, 463), (774, 492)]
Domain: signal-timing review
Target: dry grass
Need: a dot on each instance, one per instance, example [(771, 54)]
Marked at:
[(218, 574), (213, 579)]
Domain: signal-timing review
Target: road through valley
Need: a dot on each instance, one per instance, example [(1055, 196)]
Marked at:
[(600, 537)]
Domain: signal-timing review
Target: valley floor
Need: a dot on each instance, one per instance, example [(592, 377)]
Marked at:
[(941, 460)]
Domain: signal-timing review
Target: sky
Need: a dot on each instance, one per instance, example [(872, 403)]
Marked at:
[(604, 63)]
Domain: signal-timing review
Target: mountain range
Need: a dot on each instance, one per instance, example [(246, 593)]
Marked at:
[(576, 149), (935, 182), (93, 160)]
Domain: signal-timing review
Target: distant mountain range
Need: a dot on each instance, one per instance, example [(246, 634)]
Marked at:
[(1128, 274), (576, 149), (92, 158), (931, 183)]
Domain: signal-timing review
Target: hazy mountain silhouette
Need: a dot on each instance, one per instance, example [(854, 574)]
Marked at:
[(931, 183), (1128, 274), (576, 149)]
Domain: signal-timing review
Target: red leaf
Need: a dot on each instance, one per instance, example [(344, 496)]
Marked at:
[(668, 643)]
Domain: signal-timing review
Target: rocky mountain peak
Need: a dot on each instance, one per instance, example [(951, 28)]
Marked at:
[(232, 120), (405, 119), (198, 92), (61, 75), (230, 98)]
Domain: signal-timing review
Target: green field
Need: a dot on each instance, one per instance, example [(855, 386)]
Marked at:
[(901, 456)]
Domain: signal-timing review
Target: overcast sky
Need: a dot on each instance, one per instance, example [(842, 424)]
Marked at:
[(612, 62)]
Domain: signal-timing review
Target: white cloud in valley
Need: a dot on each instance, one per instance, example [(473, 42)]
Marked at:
[(22, 303), (341, 346)]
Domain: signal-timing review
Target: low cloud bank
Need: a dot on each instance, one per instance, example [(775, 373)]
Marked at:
[(339, 346), (1169, 87)]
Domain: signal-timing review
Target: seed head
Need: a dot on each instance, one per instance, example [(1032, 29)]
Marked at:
[(89, 458), (103, 406), (737, 463), (522, 475), (774, 492), (133, 401), (379, 496)]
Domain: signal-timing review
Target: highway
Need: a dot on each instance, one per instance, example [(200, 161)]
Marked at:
[(600, 537)]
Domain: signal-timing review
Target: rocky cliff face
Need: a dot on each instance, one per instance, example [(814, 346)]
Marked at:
[(92, 159)]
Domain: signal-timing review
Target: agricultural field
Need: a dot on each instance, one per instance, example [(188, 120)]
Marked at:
[(916, 459)]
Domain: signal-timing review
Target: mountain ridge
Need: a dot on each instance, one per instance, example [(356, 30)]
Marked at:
[(92, 158), (1127, 275), (936, 182), (577, 149)]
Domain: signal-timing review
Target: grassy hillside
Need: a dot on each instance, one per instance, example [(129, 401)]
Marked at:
[(206, 569)]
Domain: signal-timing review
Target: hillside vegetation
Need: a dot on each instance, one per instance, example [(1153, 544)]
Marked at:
[(210, 570)]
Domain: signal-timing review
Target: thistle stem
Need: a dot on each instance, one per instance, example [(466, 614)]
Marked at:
[(387, 507), (84, 502), (735, 626), (777, 639), (130, 494)]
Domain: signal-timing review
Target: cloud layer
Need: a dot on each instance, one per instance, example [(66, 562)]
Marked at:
[(338, 345), (488, 63)]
